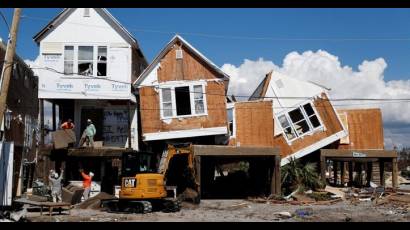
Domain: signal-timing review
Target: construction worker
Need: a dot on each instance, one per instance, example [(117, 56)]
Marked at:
[(86, 183), (55, 182), (88, 134), (68, 124)]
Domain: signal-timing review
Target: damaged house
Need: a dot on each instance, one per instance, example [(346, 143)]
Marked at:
[(18, 130), (306, 125), (86, 65), (304, 118), (182, 97)]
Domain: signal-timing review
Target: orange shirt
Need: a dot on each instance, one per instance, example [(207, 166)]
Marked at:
[(86, 180), (67, 125)]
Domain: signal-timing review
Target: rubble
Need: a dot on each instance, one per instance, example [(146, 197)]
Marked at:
[(95, 202)]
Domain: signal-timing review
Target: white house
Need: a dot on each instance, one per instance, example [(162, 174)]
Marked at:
[(86, 64)]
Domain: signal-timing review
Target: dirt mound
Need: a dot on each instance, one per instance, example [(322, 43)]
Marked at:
[(94, 202)]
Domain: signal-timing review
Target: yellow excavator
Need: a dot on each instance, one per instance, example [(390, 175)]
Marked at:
[(143, 185)]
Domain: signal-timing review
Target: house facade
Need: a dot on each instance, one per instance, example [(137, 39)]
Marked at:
[(20, 123), (86, 64), (182, 97)]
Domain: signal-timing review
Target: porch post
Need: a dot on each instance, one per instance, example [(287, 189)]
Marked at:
[(42, 122), (129, 124), (381, 169), (394, 173), (323, 168), (350, 173), (335, 172)]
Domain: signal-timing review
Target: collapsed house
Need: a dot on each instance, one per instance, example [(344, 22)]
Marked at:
[(304, 117), (182, 98), (307, 126), (86, 64), (18, 145)]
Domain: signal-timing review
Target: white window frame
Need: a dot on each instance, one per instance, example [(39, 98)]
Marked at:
[(95, 58), (191, 98), (305, 117)]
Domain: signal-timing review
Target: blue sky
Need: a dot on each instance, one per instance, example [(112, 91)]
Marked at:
[(275, 23)]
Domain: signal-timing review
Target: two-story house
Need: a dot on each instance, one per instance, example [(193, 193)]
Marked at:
[(86, 65), (182, 97)]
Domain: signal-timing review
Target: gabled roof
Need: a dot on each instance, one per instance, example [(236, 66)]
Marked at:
[(101, 11), (164, 51)]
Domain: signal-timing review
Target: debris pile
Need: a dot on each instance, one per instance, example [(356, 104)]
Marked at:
[(95, 201)]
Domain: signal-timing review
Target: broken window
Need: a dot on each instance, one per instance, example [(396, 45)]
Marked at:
[(199, 99), (312, 116), (68, 59), (299, 122), (102, 61), (289, 132), (85, 60), (166, 103), (182, 100)]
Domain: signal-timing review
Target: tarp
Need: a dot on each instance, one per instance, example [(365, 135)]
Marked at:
[(6, 172)]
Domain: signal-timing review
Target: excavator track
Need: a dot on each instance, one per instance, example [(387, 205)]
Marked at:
[(131, 206), (171, 205)]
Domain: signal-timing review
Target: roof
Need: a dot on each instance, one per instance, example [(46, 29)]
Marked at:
[(164, 51), (56, 21), (260, 91)]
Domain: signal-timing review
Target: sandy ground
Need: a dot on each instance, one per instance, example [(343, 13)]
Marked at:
[(241, 210)]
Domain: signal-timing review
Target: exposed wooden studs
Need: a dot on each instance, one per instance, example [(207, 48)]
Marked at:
[(335, 163), (343, 173)]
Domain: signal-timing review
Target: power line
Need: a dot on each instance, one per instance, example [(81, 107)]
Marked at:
[(235, 37), (5, 21)]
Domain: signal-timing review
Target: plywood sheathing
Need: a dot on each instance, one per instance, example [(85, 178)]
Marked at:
[(254, 124), (150, 111), (329, 120), (190, 67), (365, 129)]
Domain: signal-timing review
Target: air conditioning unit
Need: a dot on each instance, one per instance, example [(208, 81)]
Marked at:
[(179, 54)]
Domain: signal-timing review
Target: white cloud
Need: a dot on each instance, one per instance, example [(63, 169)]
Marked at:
[(326, 69)]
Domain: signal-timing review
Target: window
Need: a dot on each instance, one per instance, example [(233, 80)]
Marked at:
[(289, 132), (198, 99), (312, 116), (68, 59), (102, 61), (299, 121), (166, 103), (182, 99), (85, 60)]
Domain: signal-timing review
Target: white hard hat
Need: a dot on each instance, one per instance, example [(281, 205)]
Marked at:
[(88, 120), (91, 174), (55, 175)]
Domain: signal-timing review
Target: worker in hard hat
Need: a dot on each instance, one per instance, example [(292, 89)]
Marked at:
[(87, 179), (88, 134)]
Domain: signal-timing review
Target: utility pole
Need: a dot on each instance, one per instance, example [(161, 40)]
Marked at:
[(8, 62)]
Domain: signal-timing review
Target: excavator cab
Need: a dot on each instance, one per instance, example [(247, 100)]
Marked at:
[(139, 177), (142, 188)]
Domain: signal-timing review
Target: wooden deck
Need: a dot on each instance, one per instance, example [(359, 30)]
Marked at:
[(49, 205)]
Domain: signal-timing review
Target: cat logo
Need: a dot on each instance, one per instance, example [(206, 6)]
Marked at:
[(129, 182)]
